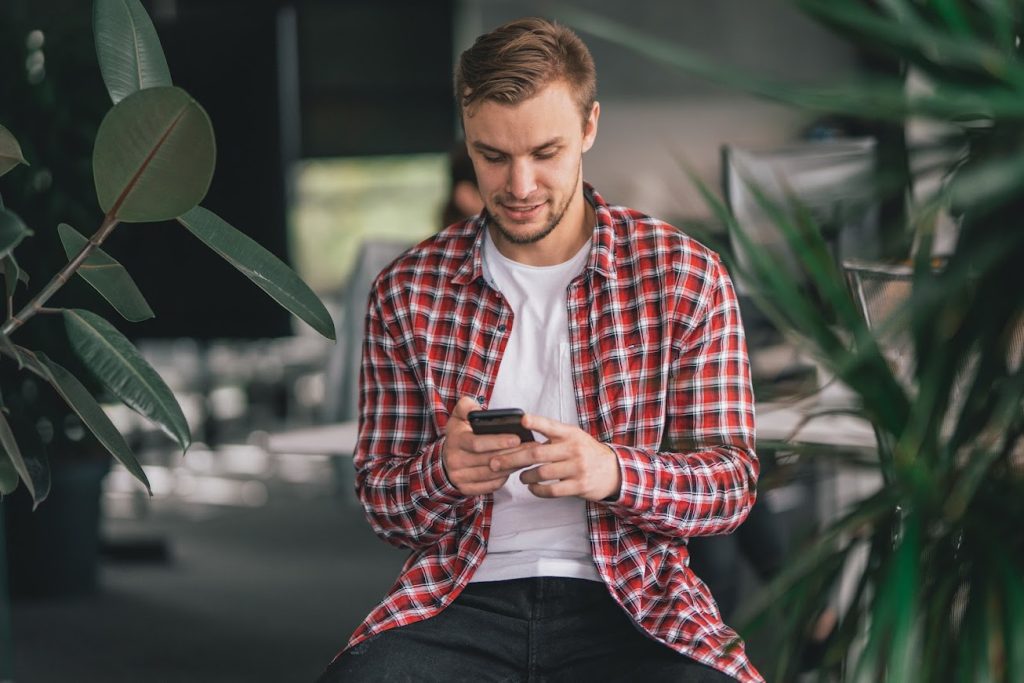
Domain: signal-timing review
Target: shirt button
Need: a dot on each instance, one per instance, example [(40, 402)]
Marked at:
[(481, 399), (502, 328)]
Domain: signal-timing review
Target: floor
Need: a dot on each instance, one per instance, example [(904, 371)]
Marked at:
[(253, 594), (267, 566)]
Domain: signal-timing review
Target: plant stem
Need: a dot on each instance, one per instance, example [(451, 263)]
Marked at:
[(37, 302)]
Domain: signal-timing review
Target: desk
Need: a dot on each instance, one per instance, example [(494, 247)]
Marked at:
[(800, 424), (332, 439), (775, 422), (838, 485)]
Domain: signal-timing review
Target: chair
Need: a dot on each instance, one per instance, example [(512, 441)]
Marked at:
[(341, 383), (882, 292)]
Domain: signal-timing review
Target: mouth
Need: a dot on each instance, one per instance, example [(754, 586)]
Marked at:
[(522, 212)]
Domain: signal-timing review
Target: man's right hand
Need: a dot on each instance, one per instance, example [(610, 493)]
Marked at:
[(467, 456)]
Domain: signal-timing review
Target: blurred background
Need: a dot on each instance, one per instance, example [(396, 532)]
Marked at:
[(334, 123)]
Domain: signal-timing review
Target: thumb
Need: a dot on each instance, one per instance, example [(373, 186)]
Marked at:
[(464, 407)]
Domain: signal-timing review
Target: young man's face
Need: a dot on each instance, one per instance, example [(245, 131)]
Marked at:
[(528, 161)]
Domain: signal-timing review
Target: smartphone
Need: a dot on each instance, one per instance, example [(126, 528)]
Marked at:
[(500, 421)]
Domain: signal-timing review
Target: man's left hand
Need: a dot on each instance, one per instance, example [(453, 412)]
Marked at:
[(571, 463)]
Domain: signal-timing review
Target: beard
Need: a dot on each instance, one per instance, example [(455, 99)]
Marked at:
[(531, 238)]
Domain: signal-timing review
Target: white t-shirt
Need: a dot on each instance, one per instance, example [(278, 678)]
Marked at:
[(533, 536)]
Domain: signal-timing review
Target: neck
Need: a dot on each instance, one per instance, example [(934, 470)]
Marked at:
[(561, 244)]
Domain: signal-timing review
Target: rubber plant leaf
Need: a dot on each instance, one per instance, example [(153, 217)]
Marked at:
[(128, 48), (8, 347), (259, 265), (85, 406), (12, 232), (12, 464), (154, 156), (8, 475), (10, 151), (121, 368), (12, 273), (107, 276)]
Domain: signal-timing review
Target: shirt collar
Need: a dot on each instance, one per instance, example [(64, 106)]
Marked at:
[(602, 251)]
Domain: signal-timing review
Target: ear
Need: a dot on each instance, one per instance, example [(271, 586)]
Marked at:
[(590, 126)]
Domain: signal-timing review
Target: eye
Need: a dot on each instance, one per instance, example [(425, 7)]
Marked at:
[(493, 158), (547, 154)]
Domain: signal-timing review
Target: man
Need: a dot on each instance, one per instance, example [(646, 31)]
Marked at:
[(564, 558)]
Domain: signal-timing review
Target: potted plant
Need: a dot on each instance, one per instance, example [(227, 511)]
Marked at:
[(940, 596), (152, 160)]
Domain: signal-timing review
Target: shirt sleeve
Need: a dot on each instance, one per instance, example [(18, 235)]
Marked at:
[(400, 478), (702, 480)]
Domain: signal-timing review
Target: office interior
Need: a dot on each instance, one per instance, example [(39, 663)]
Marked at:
[(334, 121)]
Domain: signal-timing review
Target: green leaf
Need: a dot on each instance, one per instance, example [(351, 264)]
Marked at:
[(260, 266), (10, 349), (987, 184), (1013, 611), (12, 464), (12, 232), (8, 475), (154, 156), (32, 470), (39, 476), (86, 407), (902, 601), (12, 273), (10, 151), (19, 273), (107, 276), (127, 48), (952, 15), (111, 357)]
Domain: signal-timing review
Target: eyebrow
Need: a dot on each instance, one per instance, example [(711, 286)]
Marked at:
[(484, 147)]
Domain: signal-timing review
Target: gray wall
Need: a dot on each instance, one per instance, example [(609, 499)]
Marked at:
[(652, 115)]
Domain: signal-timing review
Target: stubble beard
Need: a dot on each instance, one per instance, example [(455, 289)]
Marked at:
[(535, 237)]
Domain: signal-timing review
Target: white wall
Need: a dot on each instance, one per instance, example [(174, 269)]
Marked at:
[(636, 159)]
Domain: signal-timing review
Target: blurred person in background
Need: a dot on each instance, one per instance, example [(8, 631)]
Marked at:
[(464, 198), (565, 557)]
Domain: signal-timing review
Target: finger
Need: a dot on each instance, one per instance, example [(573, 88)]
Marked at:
[(528, 454), (482, 488), (464, 407), (476, 475), (550, 472), (489, 443), (552, 429), (558, 489)]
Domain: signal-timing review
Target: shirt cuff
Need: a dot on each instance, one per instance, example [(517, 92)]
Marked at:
[(636, 475), (438, 487)]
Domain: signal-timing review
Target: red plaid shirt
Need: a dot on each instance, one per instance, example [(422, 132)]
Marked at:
[(661, 374)]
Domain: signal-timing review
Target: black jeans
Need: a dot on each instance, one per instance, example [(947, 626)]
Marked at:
[(530, 630)]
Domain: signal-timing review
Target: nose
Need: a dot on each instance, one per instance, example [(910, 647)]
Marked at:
[(522, 180)]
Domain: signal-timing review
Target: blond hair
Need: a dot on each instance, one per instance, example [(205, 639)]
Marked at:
[(515, 61)]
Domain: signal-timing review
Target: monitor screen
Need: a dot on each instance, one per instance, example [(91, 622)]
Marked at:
[(833, 179)]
